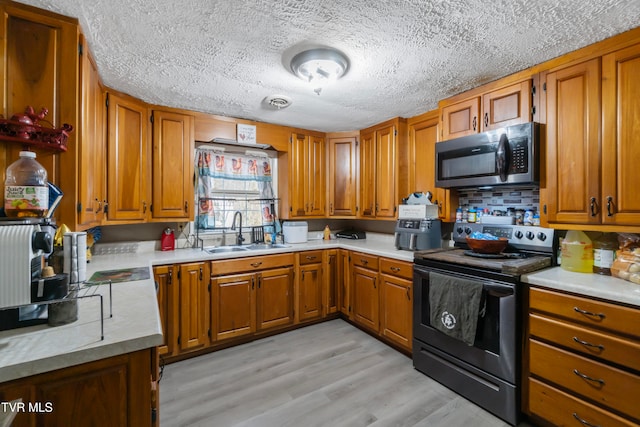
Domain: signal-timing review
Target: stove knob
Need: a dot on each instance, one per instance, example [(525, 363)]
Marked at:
[(542, 236), (459, 230), (530, 235), (518, 234), (467, 230)]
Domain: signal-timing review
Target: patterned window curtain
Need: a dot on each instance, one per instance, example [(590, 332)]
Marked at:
[(219, 173)]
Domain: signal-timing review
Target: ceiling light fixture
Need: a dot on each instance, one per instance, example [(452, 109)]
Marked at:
[(320, 66)]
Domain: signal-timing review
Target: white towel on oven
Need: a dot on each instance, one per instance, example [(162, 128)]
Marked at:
[(454, 305)]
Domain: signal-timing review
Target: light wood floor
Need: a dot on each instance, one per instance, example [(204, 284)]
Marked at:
[(329, 374)]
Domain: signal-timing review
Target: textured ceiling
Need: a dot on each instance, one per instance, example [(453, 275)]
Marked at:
[(224, 57)]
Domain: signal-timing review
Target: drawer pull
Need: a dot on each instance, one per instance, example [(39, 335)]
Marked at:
[(395, 269), (588, 344), (584, 422), (588, 313), (309, 257), (256, 264), (588, 378), (364, 261)]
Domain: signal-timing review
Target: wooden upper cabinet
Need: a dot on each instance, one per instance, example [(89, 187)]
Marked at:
[(386, 173), (173, 187), (423, 137), (573, 148), (461, 119), (316, 176), (307, 175), (506, 106), (92, 149), (384, 169), (128, 160), (342, 176), (40, 68), (367, 183), (620, 146)]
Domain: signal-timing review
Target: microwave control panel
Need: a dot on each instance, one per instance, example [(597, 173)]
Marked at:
[(519, 156)]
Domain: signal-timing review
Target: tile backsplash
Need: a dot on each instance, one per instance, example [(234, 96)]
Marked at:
[(501, 198)]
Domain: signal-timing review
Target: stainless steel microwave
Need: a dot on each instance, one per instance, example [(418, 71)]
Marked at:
[(505, 156)]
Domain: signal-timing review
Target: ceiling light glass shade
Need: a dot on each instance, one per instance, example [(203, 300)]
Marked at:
[(320, 66)]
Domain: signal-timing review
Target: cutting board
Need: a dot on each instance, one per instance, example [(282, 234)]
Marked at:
[(121, 275)]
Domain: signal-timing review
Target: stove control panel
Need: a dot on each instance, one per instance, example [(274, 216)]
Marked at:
[(520, 236)]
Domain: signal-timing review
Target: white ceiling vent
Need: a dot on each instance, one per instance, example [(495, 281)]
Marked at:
[(277, 102)]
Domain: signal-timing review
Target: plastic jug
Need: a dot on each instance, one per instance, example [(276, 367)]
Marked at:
[(26, 193), (577, 252)]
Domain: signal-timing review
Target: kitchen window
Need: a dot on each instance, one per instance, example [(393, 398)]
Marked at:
[(229, 182)]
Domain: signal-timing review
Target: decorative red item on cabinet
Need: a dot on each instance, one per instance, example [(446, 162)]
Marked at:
[(24, 129)]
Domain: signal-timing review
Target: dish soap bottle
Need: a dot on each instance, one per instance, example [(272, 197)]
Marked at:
[(577, 252), (327, 233), (26, 191)]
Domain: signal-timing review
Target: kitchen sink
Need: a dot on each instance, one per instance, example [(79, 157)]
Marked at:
[(251, 247), (226, 249), (264, 246)]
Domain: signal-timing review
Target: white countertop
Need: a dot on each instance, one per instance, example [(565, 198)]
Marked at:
[(590, 285), (135, 324)]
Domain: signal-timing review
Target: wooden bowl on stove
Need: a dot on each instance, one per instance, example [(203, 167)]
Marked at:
[(483, 246)]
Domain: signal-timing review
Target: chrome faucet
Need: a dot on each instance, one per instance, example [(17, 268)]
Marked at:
[(239, 239)]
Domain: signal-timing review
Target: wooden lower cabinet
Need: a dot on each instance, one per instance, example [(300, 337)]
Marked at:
[(396, 302), (254, 300), (163, 276), (583, 360), (116, 391), (310, 285), (183, 303), (331, 281), (366, 307)]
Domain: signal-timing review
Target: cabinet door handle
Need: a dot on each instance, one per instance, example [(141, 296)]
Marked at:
[(99, 206), (593, 206), (609, 201), (588, 344), (186, 206), (588, 313), (144, 207), (256, 264), (486, 119), (259, 281), (200, 273), (584, 422), (331, 208), (170, 277), (253, 283), (588, 378), (409, 293), (475, 122), (374, 283), (395, 269)]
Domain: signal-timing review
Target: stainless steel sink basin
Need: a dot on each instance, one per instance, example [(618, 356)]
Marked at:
[(251, 247), (226, 249), (266, 246)]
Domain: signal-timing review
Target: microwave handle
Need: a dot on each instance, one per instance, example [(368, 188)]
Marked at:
[(503, 157)]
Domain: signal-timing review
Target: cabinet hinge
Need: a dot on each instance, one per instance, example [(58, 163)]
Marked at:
[(544, 86), (395, 132), (151, 207), (106, 101), (290, 208), (357, 208), (151, 118), (533, 90), (209, 333), (80, 49), (79, 208), (533, 111), (178, 340), (357, 142), (179, 274), (544, 209), (290, 140)]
